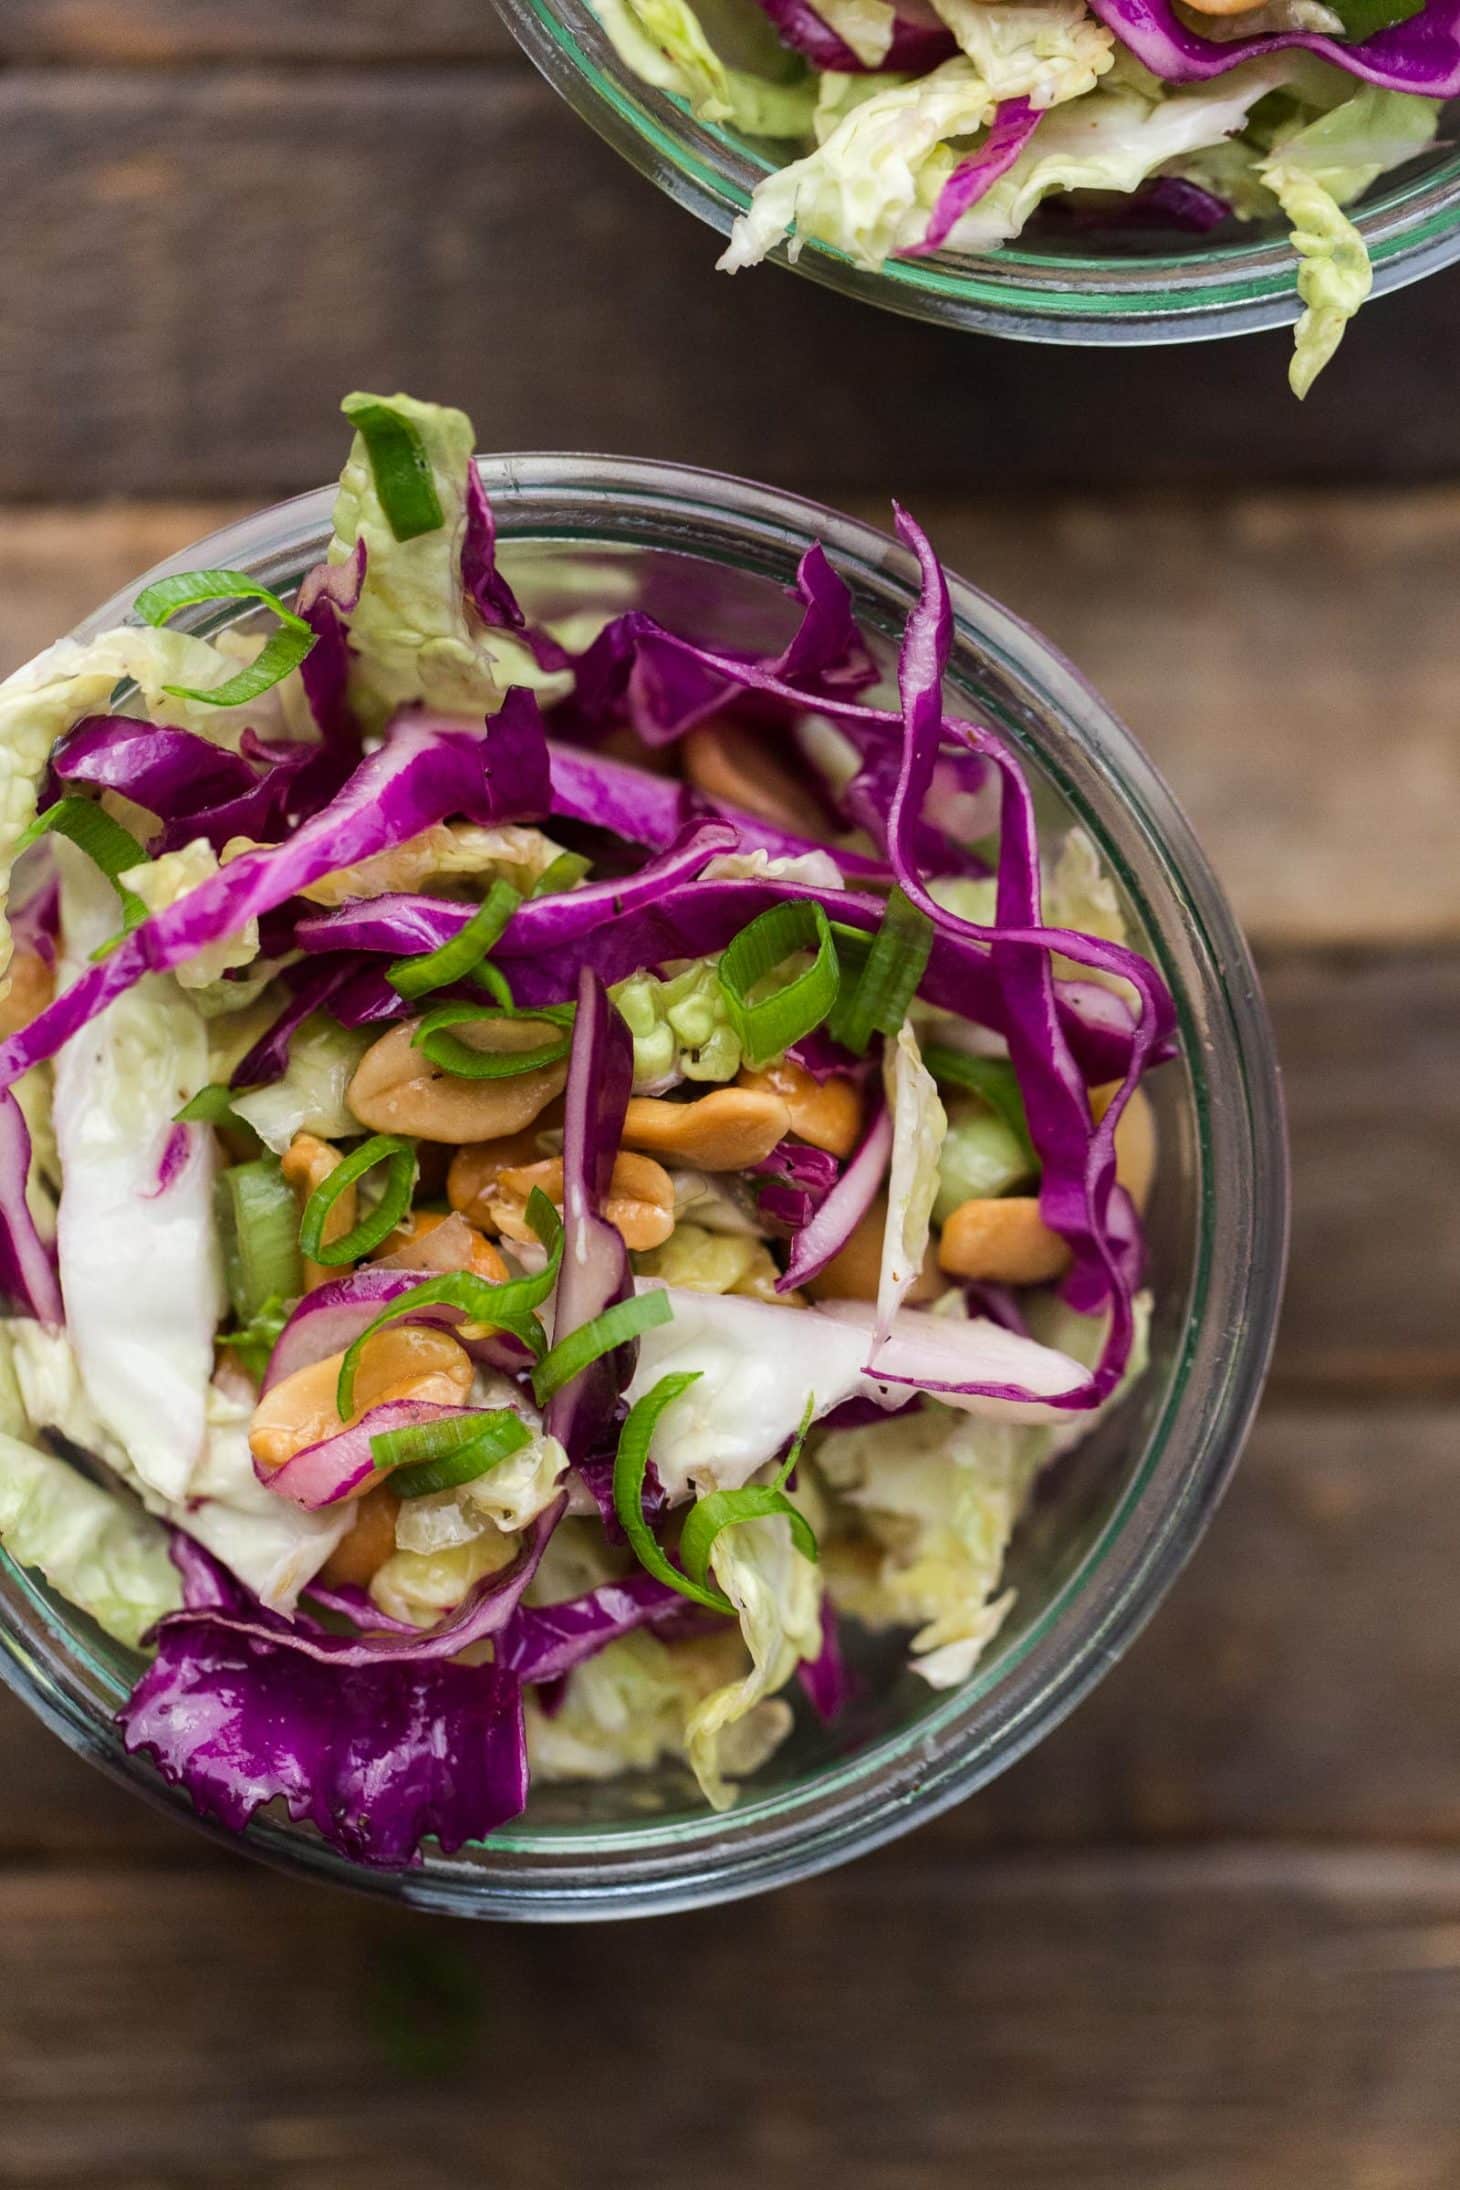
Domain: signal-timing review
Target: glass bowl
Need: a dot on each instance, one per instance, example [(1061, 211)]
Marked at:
[(1112, 1523), (1048, 287)]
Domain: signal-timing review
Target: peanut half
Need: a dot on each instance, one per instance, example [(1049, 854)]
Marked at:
[(856, 1272), (430, 1240), (370, 1542), (306, 1163), (827, 1113), (639, 1203), (1135, 1141), (1004, 1241), (404, 1361), (727, 1130), (397, 1089), (728, 762)]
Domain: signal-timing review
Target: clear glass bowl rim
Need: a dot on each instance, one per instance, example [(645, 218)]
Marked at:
[(1410, 222), (977, 1731)]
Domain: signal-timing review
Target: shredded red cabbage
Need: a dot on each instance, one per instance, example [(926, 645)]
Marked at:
[(27, 1265), (1421, 55)]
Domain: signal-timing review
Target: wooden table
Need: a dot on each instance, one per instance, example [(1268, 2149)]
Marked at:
[(1208, 1936)]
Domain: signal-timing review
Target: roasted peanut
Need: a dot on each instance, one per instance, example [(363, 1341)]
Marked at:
[(369, 1544), (1002, 1242), (306, 1163), (728, 762), (827, 1113), (404, 1361), (430, 1241), (1135, 1141), (727, 1130), (32, 987), (471, 1182), (397, 1089), (639, 1203), (855, 1272)]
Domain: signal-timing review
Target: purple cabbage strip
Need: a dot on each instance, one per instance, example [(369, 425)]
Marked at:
[(486, 587), (595, 1270), (176, 1150), (917, 45), (322, 1474), (332, 1317), (543, 1642), (791, 1183), (824, 1679), (268, 1060), (834, 1222), (695, 919), (425, 771), (654, 810), (1014, 123), (1421, 55), (169, 771), (328, 597), (484, 1612), (664, 690), (378, 1755), (27, 1266), (1078, 1157)]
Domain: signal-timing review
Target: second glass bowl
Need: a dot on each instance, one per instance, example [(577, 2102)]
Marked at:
[(1112, 1523), (1033, 290)]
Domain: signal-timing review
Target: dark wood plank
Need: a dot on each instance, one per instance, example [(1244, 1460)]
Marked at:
[(1279, 2022), (201, 261), (1371, 1053), (133, 32), (1269, 740)]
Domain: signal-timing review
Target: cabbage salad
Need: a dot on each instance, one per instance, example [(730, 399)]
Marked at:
[(542, 1170), (907, 127)]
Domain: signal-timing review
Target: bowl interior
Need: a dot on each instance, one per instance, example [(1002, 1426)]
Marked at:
[(1080, 1495), (1108, 1523), (1057, 283)]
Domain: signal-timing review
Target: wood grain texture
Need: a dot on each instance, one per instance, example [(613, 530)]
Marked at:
[(149, 32), (1079, 2022), (1220, 628), (200, 261)]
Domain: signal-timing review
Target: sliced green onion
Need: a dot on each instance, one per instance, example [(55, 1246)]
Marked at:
[(456, 959), (106, 844), (434, 1040), (259, 1221), (756, 1502), (629, 1468), (566, 870), (444, 1454), (889, 977), (402, 469), (766, 1025), (255, 1340), (492, 978), (509, 1305), (213, 1105), (625, 1320), (284, 650), (1361, 18), (992, 1078), (399, 1157)]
